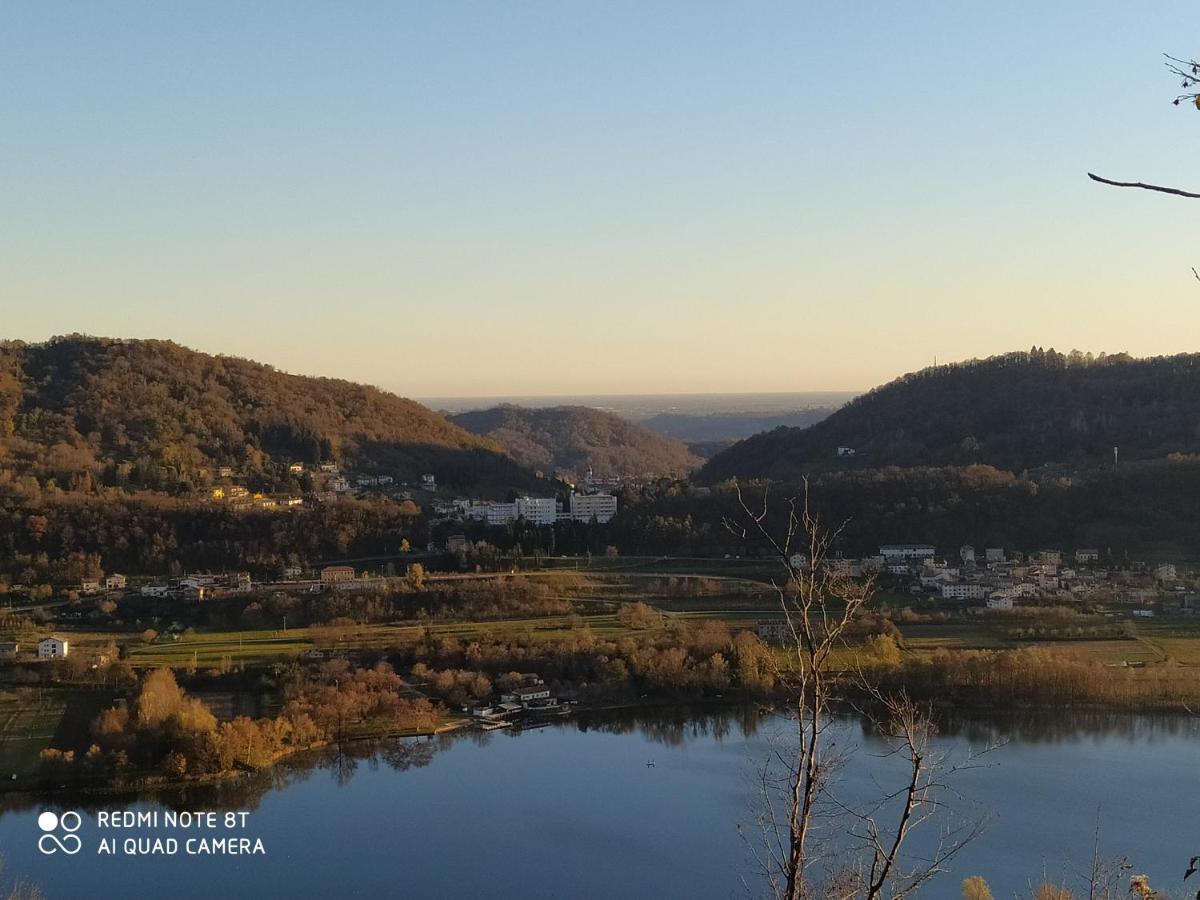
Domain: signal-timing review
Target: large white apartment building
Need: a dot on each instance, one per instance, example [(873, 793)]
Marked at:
[(585, 507), (544, 510), (538, 510)]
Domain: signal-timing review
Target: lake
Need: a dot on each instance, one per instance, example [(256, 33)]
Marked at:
[(573, 810)]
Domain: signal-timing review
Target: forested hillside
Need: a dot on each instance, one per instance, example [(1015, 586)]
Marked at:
[(572, 438), (83, 414), (1016, 411)]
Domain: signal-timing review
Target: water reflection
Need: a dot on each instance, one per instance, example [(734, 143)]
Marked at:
[(246, 791), (1062, 727), (674, 726), (474, 813), (668, 726)]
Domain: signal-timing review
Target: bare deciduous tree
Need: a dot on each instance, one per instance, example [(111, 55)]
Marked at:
[(810, 843)]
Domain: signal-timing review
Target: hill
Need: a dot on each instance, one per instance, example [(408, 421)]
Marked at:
[(1017, 411), (571, 438), (78, 413)]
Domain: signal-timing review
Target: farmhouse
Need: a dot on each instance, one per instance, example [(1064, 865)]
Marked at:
[(52, 648), (337, 574)]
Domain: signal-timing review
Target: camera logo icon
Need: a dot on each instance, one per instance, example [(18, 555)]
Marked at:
[(51, 842)]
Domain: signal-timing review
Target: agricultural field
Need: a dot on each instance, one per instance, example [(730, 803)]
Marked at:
[(29, 719)]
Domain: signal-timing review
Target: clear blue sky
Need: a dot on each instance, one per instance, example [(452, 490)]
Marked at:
[(545, 197)]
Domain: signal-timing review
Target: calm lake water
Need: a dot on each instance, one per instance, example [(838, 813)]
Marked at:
[(573, 810)]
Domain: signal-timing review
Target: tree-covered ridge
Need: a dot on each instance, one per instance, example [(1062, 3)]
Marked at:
[(572, 438), (85, 411), (1015, 411)]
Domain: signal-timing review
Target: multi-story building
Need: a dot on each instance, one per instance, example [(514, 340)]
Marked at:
[(907, 551), (337, 574), (963, 590), (585, 507), (538, 510)]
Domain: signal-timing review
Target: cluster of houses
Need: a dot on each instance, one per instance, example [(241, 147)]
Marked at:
[(531, 697), (1000, 579), (328, 480), (239, 497), (91, 586), (199, 587)]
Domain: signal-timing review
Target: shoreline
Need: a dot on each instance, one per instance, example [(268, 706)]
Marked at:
[(761, 707)]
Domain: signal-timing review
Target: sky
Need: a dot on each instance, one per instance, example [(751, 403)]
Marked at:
[(534, 197)]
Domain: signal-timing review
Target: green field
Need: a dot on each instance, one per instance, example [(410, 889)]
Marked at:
[(29, 719)]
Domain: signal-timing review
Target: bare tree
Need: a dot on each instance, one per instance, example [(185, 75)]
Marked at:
[(1188, 71), (810, 844)]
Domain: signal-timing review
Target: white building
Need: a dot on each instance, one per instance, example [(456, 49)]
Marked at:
[(963, 590), (491, 513), (994, 554), (1000, 600), (1087, 555), (428, 483), (906, 551), (1165, 572), (52, 648), (538, 510), (966, 553), (585, 507)]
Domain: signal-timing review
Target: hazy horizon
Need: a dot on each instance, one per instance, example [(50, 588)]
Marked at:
[(639, 407)]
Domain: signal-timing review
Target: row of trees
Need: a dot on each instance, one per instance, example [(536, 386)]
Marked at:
[(61, 542)]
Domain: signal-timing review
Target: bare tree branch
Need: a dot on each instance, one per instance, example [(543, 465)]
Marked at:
[(1144, 187)]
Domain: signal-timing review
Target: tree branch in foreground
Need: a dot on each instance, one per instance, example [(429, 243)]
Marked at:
[(1144, 187)]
